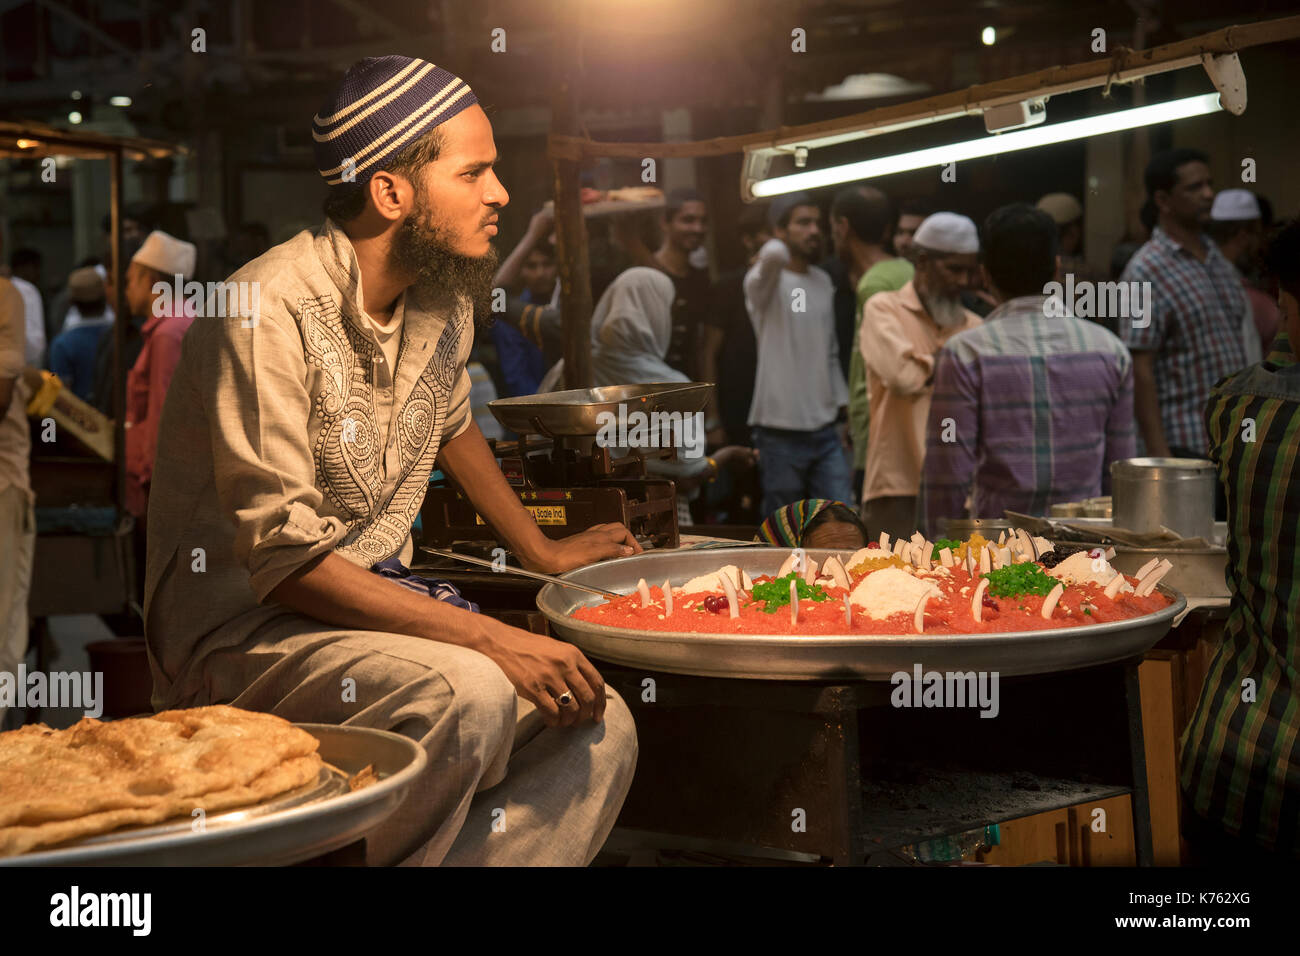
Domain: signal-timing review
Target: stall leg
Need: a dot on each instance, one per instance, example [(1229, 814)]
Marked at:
[(1138, 761)]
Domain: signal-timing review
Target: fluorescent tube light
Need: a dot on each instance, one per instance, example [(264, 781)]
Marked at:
[(992, 145)]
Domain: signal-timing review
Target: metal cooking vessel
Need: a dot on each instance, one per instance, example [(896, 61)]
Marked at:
[(831, 657), (1177, 493), (963, 528)]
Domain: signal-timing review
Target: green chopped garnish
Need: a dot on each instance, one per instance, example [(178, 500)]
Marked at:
[(951, 544), (776, 594), (1017, 579)]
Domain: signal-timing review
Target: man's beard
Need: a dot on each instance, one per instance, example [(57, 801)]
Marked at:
[(945, 311), (422, 250)]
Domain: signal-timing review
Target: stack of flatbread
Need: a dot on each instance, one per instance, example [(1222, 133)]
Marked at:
[(96, 776)]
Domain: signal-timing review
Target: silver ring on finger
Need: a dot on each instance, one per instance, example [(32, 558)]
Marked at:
[(565, 699)]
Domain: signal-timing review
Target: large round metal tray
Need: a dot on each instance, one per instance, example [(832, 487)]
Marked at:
[(578, 412), (292, 827), (861, 657)]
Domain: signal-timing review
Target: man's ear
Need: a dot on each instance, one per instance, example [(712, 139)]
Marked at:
[(389, 194)]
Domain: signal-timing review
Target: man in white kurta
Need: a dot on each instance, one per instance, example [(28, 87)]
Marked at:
[(294, 452)]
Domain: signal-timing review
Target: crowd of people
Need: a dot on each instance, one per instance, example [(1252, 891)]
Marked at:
[(909, 363)]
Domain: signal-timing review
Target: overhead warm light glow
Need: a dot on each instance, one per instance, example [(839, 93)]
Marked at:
[(28, 143), (74, 117), (992, 145), (119, 101), (989, 36)]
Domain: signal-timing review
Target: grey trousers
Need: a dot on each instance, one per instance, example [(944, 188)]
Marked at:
[(500, 787)]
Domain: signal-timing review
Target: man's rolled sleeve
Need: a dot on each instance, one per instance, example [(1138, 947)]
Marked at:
[(253, 383)]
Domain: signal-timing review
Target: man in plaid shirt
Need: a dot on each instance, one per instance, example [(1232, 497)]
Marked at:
[(1192, 336), (1241, 751), (1031, 407)]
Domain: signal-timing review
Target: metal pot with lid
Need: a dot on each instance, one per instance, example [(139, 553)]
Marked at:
[(1176, 493)]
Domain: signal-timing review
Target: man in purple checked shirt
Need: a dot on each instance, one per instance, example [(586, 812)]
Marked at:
[(1033, 406)]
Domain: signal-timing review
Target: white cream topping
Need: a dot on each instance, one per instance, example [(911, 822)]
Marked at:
[(891, 591)]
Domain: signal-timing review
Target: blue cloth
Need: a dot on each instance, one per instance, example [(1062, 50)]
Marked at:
[(794, 465), (522, 363), (72, 358), (394, 570)]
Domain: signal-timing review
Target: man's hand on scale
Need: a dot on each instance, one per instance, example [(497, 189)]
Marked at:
[(598, 543)]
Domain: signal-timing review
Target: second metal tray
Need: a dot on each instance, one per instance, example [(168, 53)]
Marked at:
[(295, 826)]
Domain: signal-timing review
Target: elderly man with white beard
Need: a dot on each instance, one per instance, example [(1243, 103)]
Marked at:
[(900, 334)]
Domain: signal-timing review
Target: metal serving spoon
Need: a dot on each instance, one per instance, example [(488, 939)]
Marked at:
[(507, 569)]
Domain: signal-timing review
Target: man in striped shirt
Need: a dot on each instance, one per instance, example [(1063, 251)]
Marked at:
[(1241, 752), (1031, 407)]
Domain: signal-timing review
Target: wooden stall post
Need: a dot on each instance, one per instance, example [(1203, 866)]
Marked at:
[(123, 319), (572, 253)]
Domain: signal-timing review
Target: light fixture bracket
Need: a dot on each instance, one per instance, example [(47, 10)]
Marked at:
[(1229, 79)]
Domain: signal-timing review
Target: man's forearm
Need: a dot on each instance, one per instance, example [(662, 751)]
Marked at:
[(1146, 407), (468, 460), (508, 271), (335, 591)]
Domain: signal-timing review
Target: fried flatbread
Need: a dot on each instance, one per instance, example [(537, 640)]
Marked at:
[(97, 776)]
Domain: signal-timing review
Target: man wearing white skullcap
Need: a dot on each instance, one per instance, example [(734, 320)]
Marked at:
[(900, 335), (151, 279), (297, 446), (1236, 224)]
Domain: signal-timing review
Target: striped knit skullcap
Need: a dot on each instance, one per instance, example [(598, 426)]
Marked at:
[(383, 105)]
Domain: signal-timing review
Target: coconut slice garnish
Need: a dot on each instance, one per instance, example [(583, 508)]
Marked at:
[(834, 568), (884, 540), (729, 589), (809, 571), (1002, 538), (1147, 569), (1004, 557), (899, 546), (787, 565), (668, 598), (1151, 580), (858, 557), (644, 590), (794, 603), (918, 617), (1113, 586), (1052, 598), (945, 557), (986, 561), (977, 602), (848, 612)]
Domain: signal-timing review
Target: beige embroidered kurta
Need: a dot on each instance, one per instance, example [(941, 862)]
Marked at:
[(271, 451)]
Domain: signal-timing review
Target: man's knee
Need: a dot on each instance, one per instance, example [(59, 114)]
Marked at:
[(483, 697), (619, 747)]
